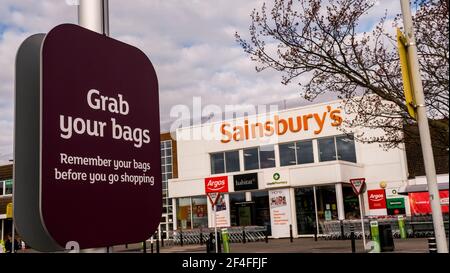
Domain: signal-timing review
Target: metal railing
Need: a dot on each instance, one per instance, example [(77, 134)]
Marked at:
[(235, 234), (419, 226)]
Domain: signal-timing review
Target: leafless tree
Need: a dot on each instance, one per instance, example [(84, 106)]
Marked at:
[(324, 41)]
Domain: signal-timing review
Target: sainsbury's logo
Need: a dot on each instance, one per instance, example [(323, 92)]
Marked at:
[(216, 184), (376, 197)]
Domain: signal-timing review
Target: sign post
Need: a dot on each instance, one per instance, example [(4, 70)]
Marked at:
[(214, 186), (213, 198), (358, 185)]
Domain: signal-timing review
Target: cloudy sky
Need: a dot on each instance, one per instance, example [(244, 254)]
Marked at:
[(190, 42)]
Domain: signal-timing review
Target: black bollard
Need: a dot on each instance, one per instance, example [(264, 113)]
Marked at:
[(432, 246), (244, 239), (181, 237), (151, 246), (126, 246), (219, 243), (201, 237), (210, 244), (157, 245), (162, 239), (144, 246), (266, 236), (352, 237), (342, 230), (290, 234)]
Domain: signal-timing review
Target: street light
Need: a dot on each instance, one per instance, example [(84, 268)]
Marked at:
[(424, 130)]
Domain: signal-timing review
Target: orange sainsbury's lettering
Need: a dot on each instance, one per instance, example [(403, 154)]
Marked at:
[(281, 126), (226, 133), (336, 117)]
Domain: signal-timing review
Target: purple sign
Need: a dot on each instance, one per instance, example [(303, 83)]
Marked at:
[(100, 146)]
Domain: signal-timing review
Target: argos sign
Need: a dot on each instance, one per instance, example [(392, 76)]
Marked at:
[(377, 199), (216, 184)]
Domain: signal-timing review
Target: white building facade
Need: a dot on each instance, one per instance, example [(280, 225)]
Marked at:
[(286, 170)]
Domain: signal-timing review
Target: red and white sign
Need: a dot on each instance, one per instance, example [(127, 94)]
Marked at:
[(213, 197), (377, 199), (420, 202), (358, 185), (216, 184)]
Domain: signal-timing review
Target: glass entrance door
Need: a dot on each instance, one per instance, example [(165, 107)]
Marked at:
[(306, 210)]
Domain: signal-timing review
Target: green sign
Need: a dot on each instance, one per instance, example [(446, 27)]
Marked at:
[(276, 176), (8, 182), (396, 203)]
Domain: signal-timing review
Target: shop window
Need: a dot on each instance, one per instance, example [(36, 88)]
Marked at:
[(346, 148), (251, 160), (267, 156), (232, 161), (237, 200), (217, 163), (287, 154), (327, 149), (8, 187), (306, 210), (305, 152), (199, 212), (262, 209), (351, 204), (326, 203), (184, 218)]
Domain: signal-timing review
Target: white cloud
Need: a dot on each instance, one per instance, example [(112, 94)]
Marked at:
[(190, 42)]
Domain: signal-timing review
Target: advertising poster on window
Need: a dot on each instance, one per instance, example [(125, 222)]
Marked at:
[(420, 202), (280, 212), (222, 212)]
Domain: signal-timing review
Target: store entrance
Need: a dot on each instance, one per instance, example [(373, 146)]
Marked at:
[(245, 213), (250, 213), (306, 210), (315, 205)]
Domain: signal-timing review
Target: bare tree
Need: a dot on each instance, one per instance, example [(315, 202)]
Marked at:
[(324, 43)]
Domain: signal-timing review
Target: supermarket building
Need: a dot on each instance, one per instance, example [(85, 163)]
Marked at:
[(289, 169)]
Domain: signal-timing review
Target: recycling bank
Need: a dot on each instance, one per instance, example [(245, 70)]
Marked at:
[(284, 169)]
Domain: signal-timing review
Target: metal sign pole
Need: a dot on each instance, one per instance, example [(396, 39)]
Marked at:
[(424, 130), (361, 211), (12, 242), (93, 15), (215, 227)]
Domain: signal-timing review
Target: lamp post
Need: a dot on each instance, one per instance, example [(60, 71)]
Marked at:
[(424, 131)]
